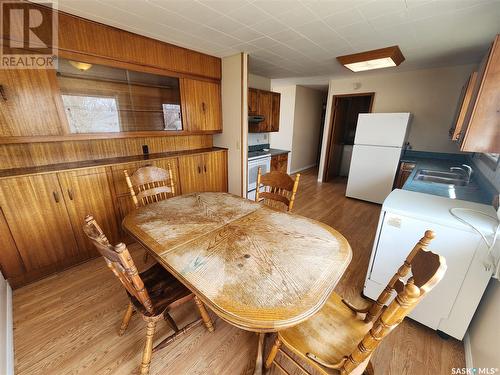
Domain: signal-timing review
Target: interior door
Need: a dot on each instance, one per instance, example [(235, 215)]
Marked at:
[(38, 220), (334, 155), (87, 192)]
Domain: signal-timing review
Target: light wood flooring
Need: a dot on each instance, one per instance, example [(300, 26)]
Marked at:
[(67, 324)]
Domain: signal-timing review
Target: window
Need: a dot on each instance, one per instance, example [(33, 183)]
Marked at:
[(91, 114)]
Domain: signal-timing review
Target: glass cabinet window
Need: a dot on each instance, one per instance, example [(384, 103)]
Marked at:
[(98, 98)]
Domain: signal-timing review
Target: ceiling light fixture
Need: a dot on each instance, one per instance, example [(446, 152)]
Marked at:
[(375, 59), (81, 66)]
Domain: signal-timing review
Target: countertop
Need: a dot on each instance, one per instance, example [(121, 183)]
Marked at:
[(16, 172), (479, 189), (271, 151)]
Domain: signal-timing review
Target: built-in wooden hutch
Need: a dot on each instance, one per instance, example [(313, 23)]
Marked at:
[(116, 101)]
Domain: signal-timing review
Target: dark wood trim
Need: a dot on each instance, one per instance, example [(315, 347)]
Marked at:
[(330, 128), (393, 52)]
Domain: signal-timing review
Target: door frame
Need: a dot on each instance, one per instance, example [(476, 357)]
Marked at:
[(331, 122)]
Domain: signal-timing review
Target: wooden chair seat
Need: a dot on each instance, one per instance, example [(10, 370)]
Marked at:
[(331, 334), (163, 288)]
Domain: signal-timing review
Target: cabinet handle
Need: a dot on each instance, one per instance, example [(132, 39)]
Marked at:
[(70, 194), (205, 168), (56, 196), (199, 169), (203, 106), (2, 93)]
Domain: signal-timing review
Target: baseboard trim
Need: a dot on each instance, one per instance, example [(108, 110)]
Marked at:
[(469, 363), (303, 168)]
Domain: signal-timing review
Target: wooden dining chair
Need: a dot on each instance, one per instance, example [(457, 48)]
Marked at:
[(148, 185), (153, 293), (340, 338), (278, 189)]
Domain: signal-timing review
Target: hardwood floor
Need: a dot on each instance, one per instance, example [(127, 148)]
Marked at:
[(68, 323)]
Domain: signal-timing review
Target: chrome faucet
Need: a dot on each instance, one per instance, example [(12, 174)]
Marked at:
[(466, 169)]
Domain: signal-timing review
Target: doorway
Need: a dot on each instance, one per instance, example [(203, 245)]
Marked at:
[(344, 118)]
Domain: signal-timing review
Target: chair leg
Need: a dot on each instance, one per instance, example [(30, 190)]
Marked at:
[(272, 353), (369, 369), (148, 345), (126, 319), (209, 325)]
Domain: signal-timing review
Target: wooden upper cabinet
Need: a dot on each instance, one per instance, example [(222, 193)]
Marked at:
[(266, 104), (85, 192), (275, 118), (481, 128), (463, 105), (253, 102), (36, 214), (28, 103), (201, 105)]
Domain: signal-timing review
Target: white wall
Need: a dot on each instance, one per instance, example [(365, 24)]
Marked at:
[(6, 338), (283, 139), (234, 118), (431, 95), (259, 82), (306, 128)]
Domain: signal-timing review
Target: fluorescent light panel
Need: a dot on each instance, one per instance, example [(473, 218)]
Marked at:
[(376, 59)]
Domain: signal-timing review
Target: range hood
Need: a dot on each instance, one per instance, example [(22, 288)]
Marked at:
[(255, 119)]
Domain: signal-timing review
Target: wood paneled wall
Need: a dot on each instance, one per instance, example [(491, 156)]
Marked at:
[(36, 154)]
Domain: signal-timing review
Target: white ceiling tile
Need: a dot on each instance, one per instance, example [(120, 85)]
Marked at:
[(178, 6), (269, 26), (296, 16), (324, 8), (345, 18), (390, 20), (377, 8), (285, 35), (275, 7), (357, 32), (248, 15), (224, 6), (265, 42)]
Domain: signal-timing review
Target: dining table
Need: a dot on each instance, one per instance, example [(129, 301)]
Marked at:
[(255, 267)]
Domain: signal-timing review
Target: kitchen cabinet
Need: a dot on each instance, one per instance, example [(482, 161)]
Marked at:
[(88, 191), (404, 172), (481, 127), (201, 105), (253, 102), (266, 104), (203, 172), (38, 221), (28, 103), (464, 101), (279, 163), (275, 112)]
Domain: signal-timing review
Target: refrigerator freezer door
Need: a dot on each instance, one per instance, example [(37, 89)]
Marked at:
[(382, 129), (372, 172)]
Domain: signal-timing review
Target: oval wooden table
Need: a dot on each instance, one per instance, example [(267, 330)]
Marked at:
[(256, 268)]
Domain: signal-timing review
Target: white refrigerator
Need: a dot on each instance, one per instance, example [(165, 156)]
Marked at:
[(375, 156)]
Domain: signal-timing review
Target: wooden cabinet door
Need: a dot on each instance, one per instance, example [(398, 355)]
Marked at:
[(481, 127), (201, 105), (253, 102), (275, 113), (279, 163), (28, 103), (215, 171), (88, 192), (38, 220), (404, 172), (463, 105), (266, 109), (191, 173), (11, 263)]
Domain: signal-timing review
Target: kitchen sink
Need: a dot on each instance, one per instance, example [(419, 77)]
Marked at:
[(441, 177)]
